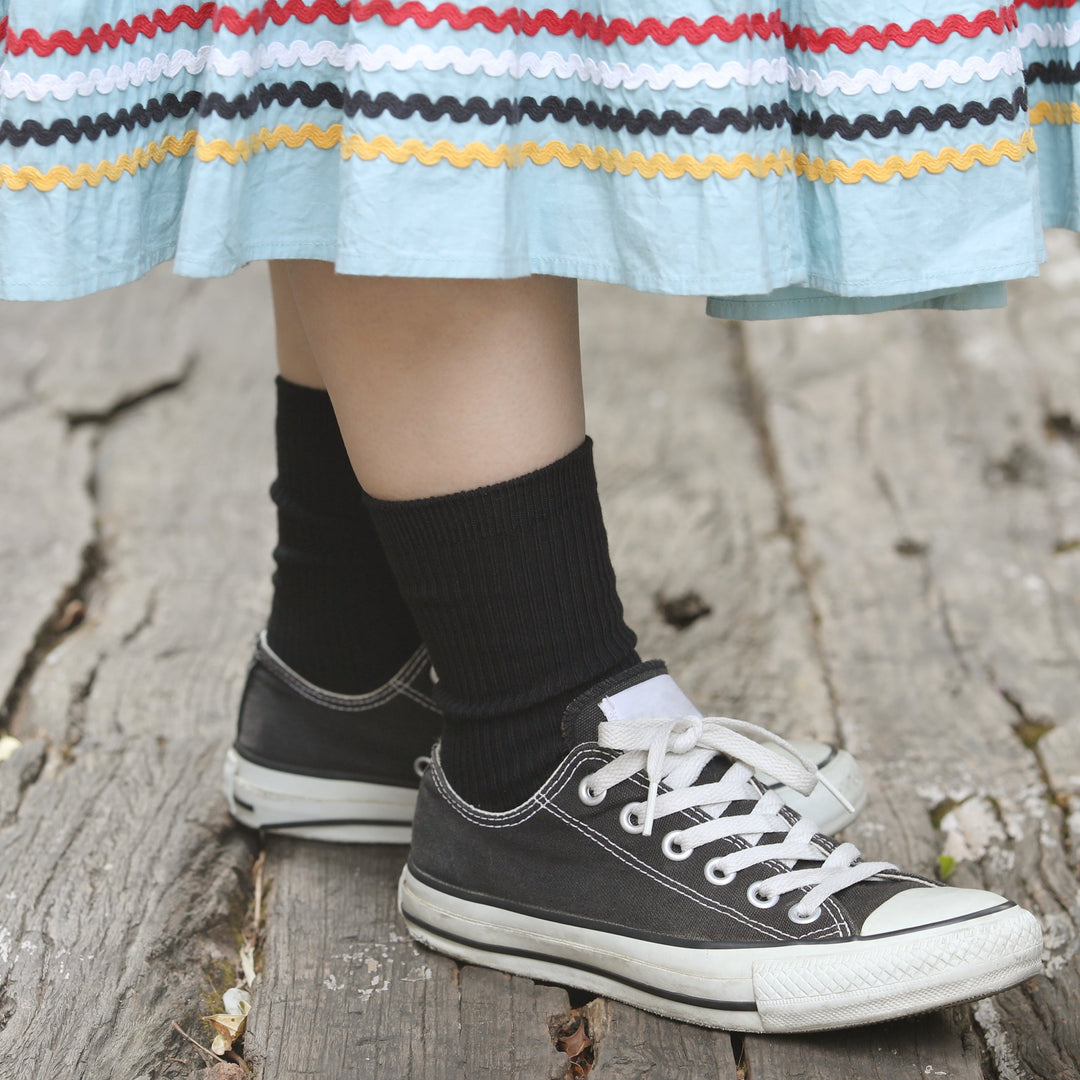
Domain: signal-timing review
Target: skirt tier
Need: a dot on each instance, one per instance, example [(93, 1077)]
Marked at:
[(783, 158)]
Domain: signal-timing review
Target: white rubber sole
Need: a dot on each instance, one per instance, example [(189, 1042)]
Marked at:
[(341, 811), (786, 988)]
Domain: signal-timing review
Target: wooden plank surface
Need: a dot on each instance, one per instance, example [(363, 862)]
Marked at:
[(121, 877), (880, 514), (932, 495)]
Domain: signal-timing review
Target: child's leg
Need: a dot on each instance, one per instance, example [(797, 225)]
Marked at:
[(444, 386), (461, 405), (337, 712), (337, 618)]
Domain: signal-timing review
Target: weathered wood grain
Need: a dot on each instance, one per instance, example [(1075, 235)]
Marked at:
[(345, 992), (46, 528), (61, 362), (689, 506), (939, 1045), (122, 879), (914, 453)]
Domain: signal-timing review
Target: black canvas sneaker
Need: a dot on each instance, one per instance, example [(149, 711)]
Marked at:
[(345, 768), (327, 766), (652, 869)]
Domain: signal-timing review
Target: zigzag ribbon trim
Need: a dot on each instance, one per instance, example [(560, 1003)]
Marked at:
[(1055, 112), (513, 156), (509, 111), (1045, 3), (506, 63), (221, 17), (1048, 35), (1052, 73)]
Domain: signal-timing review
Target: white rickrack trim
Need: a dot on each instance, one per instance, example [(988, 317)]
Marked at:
[(505, 64), (1048, 35)]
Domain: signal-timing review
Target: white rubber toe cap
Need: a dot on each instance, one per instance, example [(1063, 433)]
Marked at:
[(917, 907)]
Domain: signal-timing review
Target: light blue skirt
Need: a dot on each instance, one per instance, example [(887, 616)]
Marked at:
[(785, 158)]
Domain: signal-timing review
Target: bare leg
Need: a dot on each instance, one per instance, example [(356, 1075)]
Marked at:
[(296, 361), (443, 386)]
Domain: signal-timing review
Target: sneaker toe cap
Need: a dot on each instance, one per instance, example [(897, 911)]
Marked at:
[(917, 907)]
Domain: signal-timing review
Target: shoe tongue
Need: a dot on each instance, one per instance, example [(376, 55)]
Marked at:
[(643, 690)]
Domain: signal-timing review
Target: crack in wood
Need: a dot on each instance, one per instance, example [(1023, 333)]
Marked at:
[(788, 524), (125, 404), (53, 629)]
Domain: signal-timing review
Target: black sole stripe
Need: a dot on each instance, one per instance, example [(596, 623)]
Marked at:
[(508, 111), (343, 822), (1052, 72), (668, 995)]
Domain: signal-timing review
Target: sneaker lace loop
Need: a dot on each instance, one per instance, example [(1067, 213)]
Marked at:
[(674, 750)]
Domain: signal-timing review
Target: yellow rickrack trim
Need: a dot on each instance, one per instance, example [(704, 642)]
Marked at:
[(512, 156), (1055, 112), (597, 157)]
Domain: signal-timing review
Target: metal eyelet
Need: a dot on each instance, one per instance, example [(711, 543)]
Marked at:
[(713, 875), (676, 854), (420, 765), (628, 820), (795, 917), (587, 795), (757, 899)]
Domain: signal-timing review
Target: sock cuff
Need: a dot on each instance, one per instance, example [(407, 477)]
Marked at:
[(511, 585), (463, 517)]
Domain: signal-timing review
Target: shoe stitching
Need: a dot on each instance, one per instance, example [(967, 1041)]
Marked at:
[(418, 696), (677, 886), (558, 783), (343, 702), (830, 904), (636, 864), (560, 778)]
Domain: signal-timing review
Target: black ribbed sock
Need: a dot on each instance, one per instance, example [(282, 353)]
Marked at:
[(514, 594), (337, 616)]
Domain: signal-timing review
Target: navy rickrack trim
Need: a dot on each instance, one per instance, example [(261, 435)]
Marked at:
[(505, 110), (1052, 72)]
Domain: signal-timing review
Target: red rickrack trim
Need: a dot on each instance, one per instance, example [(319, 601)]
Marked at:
[(580, 24), (1046, 3)]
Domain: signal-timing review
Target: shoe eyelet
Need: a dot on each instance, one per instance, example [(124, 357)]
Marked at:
[(587, 795), (713, 875), (676, 854), (628, 820), (420, 765), (795, 917), (757, 899)]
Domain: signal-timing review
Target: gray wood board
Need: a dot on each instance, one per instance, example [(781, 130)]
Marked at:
[(931, 495), (939, 1045), (122, 879), (346, 993)]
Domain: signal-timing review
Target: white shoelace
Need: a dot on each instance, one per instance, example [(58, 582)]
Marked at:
[(675, 750)]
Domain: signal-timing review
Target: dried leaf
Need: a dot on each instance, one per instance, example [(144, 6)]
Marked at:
[(228, 1028), (229, 1025), (574, 1043), (8, 745), (236, 1002)]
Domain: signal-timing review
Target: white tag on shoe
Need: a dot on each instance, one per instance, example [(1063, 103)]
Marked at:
[(658, 696)]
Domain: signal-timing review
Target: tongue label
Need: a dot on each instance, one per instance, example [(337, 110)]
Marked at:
[(658, 696)]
